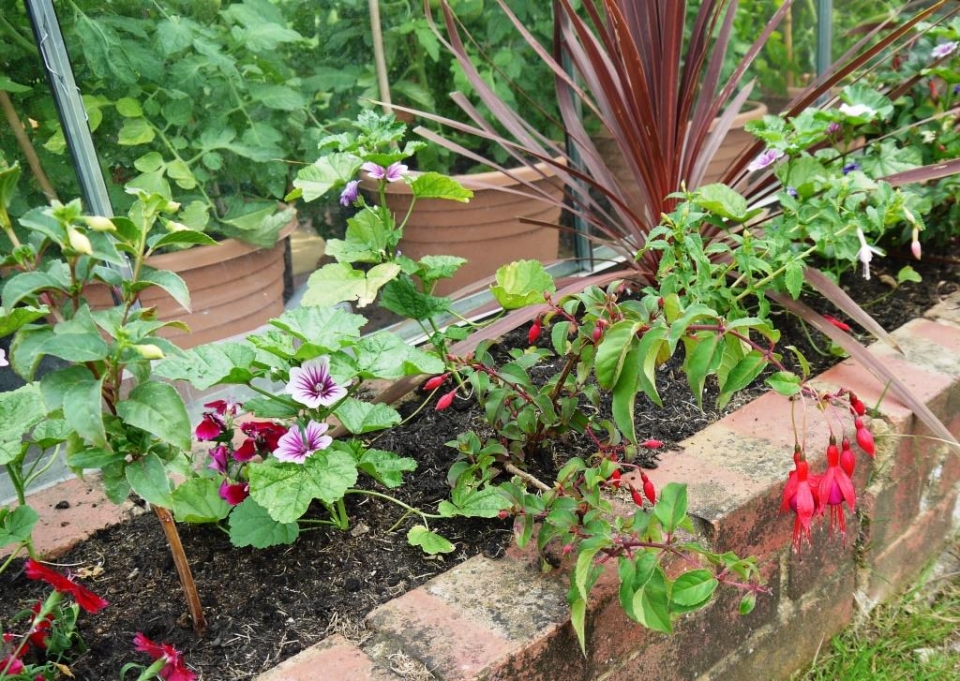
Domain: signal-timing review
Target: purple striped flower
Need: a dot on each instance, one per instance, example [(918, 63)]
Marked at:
[(349, 193), (765, 159), (392, 173), (311, 384), (301, 442)]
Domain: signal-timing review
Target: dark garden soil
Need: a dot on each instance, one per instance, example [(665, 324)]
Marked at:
[(266, 605)]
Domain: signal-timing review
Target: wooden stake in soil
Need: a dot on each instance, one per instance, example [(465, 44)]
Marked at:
[(183, 569)]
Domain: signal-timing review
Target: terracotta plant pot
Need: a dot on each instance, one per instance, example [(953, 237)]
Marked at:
[(487, 231), (234, 288)]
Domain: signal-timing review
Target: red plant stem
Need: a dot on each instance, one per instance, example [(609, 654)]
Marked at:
[(183, 569)]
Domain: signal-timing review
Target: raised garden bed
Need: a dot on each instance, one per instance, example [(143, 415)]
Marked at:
[(305, 593)]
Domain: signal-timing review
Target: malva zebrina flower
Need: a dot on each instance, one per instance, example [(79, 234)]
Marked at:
[(312, 385), (300, 442)]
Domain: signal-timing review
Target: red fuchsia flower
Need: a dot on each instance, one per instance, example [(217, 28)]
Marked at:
[(446, 400), (534, 332), (864, 437), (843, 326), (234, 493), (848, 461), (210, 427), (392, 173), (614, 479), (649, 491), (435, 382), (858, 407), (652, 444), (85, 598), (835, 488), (635, 495), (312, 385), (301, 442), (175, 668), (800, 495)]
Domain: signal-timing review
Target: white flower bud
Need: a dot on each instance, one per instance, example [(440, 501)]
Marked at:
[(79, 241), (98, 223)]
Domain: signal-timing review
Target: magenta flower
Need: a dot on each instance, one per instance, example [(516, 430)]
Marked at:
[(765, 159), (218, 459), (85, 598), (234, 493), (392, 173), (301, 442), (175, 668), (349, 193), (311, 384), (223, 407), (210, 427)]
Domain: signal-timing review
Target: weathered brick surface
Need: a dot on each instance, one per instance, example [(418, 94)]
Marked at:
[(334, 658)]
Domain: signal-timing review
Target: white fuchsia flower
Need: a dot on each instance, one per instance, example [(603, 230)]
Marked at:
[(301, 442), (765, 159), (866, 252), (312, 385), (942, 50)]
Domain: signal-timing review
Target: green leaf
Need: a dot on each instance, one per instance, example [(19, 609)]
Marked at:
[(741, 375), (748, 603), (700, 362), (8, 85), (436, 186), (135, 131), (325, 327), (26, 284), (76, 347), (158, 409), (16, 526), (286, 489), (578, 616), (128, 107), (93, 458), (431, 542), (385, 355), (208, 365), (583, 576), (651, 600), (793, 278), (435, 267), (18, 317), (198, 501), (363, 417), (671, 507), (82, 406), (337, 283), (180, 239), (20, 410), (522, 283), (612, 352), (251, 525), (401, 297), (723, 201), (148, 478), (470, 502), (386, 467), (326, 173), (905, 274), (170, 282), (786, 383), (693, 589), (625, 394)]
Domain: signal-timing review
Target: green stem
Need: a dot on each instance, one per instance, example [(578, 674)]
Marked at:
[(344, 520), (19, 39), (387, 497)]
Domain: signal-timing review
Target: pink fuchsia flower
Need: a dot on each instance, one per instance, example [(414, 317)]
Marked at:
[(312, 385), (942, 50), (210, 427), (767, 158), (866, 252), (835, 488), (915, 243), (175, 667), (392, 173), (801, 495), (301, 442), (350, 193), (234, 493), (85, 598)]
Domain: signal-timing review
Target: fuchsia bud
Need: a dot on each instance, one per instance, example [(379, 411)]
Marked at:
[(649, 491), (614, 479), (652, 444), (597, 333), (858, 407), (847, 459), (637, 499), (843, 326), (503, 515), (446, 400), (864, 437), (534, 331), (567, 548), (435, 382)]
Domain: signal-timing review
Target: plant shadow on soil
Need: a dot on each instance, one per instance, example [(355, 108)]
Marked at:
[(266, 605)]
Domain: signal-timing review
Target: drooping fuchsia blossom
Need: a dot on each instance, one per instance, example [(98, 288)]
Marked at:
[(865, 254), (312, 385), (85, 598), (766, 158), (395, 171), (801, 495), (300, 442), (835, 488), (234, 493), (865, 437), (349, 193), (175, 667), (445, 400)]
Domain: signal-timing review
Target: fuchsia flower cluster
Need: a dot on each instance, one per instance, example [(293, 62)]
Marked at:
[(310, 385), (809, 495)]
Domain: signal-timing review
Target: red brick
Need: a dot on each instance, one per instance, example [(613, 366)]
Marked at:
[(332, 658)]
